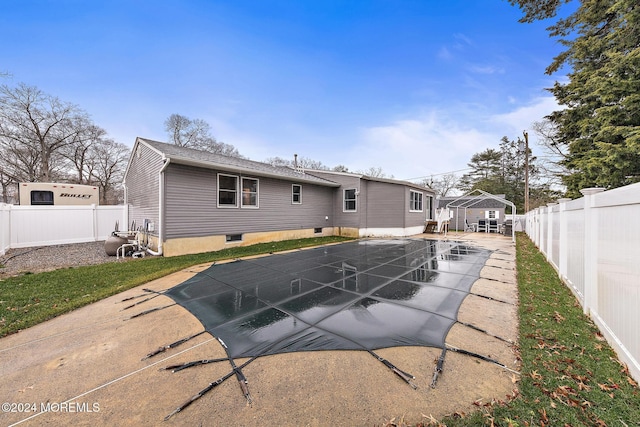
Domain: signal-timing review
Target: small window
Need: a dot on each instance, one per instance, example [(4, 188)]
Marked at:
[(234, 237), (227, 191), (41, 198), (296, 194), (350, 200), (492, 215), (249, 192), (415, 201), (317, 230)]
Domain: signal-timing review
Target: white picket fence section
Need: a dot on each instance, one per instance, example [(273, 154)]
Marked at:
[(27, 226), (594, 244)]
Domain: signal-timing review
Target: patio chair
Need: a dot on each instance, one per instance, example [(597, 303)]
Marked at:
[(482, 225), (469, 227), (493, 226)]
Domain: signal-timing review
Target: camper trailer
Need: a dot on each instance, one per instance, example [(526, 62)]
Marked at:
[(55, 194)]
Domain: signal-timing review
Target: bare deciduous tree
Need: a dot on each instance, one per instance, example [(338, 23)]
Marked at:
[(109, 159), (374, 172), (196, 133), (444, 185), (35, 127), (79, 155)]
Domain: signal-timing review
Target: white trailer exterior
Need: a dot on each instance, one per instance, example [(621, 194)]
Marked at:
[(58, 194)]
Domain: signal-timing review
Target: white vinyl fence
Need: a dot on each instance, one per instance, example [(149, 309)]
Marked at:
[(26, 226), (594, 244)]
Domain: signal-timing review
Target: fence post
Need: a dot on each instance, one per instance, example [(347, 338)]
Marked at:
[(538, 226), (5, 228), (544, 224), (563, 244), (94, 215), (549, 248), (590, 251)]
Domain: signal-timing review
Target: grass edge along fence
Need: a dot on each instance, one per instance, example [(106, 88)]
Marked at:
[(570, 376)]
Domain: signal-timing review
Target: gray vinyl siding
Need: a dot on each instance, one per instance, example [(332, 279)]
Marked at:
[(386, 205), (143, 188), (412, 219), (341, 218), (380, 204), (191, 206)]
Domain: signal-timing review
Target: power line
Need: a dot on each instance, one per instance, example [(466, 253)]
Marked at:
[(437, 174)]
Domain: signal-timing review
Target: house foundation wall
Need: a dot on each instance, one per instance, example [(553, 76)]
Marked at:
[(194, 245), (391, 232)]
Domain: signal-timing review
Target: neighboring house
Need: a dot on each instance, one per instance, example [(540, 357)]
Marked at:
[(193, 201), (473, 208)]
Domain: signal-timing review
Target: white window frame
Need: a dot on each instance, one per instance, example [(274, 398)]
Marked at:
[(492, 214), (413, 201), (355, 200), (243, 193), (293, 193), (227, 206)]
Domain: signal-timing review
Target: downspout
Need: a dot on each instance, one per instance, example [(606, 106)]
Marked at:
[(160, 208)]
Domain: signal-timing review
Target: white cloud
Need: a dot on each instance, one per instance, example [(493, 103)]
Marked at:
[(444, 53), (523, 117), (465, 39), (429, 144), (440, 141), (487, 69)]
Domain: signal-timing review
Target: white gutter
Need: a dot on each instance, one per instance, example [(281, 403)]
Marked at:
[(160, 208)]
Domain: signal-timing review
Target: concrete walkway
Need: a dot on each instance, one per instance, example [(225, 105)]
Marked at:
[(85, 367)]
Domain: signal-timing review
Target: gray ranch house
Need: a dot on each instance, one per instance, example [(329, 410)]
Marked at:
[(193, 201)]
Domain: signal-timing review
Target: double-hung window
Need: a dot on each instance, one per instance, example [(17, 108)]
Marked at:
[(415, 201), (296, 194), (227, 191), (492, 215), (350, 200), (249, 192)]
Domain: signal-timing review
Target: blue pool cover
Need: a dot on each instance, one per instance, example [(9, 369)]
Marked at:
[(360, 295)]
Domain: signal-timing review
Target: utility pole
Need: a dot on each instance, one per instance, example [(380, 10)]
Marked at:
[(526, 171)]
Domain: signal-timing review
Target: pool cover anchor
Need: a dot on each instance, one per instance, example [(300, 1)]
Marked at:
[(164, 348), (138, 296), (469, 325), (406, 377), (157, 294), (242, 380), (439, 366), (151, 310), (481, 357), (208, 388), (181, 366)]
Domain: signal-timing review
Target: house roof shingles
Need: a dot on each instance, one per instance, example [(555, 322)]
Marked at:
[(205, 159)]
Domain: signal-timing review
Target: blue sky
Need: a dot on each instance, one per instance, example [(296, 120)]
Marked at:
[(414, 87)]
